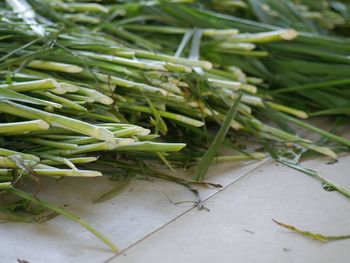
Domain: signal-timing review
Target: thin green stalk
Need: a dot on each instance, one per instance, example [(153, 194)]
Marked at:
[(66, 172), (132, 85), (317, 176), (63, 212), (80, 7), (165, 114), (237, 157), (124, 61), (232, 85), (57, 120), (5, 185), (177, 60), (322, 132), (265, 37), (54, 66), (315, 236), (53, 144), (282, 108), (117, 189), (77, 160), (15, 128), (62, 101), (151, 147), (6, 94), (203, 166), (25, 156), (42, 84), (272, 133)]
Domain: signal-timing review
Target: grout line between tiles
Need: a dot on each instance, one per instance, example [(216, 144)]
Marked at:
[(185, 212)]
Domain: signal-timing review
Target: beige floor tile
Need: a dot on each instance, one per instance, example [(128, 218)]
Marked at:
[(238, 227)]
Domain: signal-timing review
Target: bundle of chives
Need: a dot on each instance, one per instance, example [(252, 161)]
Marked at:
[(217, 79), (97, 89)]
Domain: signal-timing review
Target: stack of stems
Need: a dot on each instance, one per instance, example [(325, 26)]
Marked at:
[(73, 93)]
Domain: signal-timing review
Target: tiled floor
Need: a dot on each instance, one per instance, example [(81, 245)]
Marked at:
[(140, 210), (239, 228), (149, 228)]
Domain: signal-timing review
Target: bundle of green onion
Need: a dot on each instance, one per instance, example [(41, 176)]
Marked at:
[(91, 88)]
